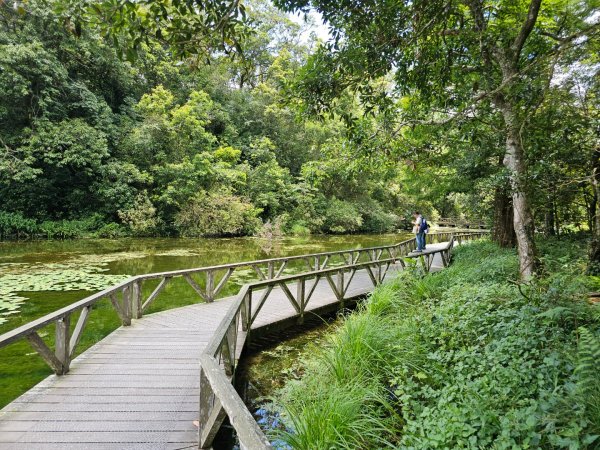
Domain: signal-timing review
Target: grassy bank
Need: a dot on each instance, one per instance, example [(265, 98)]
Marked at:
[(465, 358)]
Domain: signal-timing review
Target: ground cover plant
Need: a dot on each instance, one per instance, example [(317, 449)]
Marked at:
[(466, 358)]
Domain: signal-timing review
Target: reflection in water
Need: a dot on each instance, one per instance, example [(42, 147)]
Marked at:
[(39, 277), (266, 368)]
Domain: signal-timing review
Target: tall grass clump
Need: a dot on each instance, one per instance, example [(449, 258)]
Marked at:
[(466, 358)]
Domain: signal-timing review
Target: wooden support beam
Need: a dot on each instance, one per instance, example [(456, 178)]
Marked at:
[(387, 267), (126, 303), (350, 278), (155, 293), (271, 270), (196, 287), (337, 286), (210, 286), (308, 264), (212, 425), (78, 331), (228, 354), (290, 297), (206, 406), (212, 380), (301, 297), (224, 280), (311, 290), (259, 272), (281, 269), (44, 351), (118, 306), (245, 310), (371, 275), (261, 302)]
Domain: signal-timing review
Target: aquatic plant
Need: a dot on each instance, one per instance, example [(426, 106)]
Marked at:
[(81, 273)]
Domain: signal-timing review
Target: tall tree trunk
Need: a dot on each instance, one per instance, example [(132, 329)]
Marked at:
[(503, 232), (514, 161), (594, 261), (590, 204), (549, 220)]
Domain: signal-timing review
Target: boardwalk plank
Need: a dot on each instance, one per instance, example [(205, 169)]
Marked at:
[(138, 387)]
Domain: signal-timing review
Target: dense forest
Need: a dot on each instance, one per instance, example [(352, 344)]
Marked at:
[(94, 144), (191, 118), (149, 118)]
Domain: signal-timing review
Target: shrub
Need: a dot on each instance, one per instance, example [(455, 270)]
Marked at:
[(376, 219), (299, 229), (342, 217), (16, 225), (140, 217), (217, 214), (63, 229), (111, 231), (469, 360)]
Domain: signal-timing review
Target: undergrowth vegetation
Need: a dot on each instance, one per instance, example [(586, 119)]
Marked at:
[(465, 358)]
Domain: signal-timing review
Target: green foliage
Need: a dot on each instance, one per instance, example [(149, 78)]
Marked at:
[(14, 224), (587, 390), (185, 27), (469, 360), (111, 231), (341, 217), (217, 214), (69, 229), (138, 142), (355, 410), (141, 217)]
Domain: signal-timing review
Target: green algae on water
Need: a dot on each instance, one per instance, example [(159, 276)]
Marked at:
[(72, 275)]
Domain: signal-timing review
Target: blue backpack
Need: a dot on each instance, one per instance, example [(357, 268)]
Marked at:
[(424, 225)]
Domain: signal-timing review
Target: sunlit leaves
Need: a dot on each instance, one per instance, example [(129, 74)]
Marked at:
[(189, 27)]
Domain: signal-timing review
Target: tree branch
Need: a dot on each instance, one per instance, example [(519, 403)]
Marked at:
[(566, 39), (532, 15)]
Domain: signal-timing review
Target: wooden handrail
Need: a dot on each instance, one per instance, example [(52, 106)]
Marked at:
[(455, 221), (126, 296), (216, 402)]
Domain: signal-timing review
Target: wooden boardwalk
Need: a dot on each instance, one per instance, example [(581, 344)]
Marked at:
[(138, 388)]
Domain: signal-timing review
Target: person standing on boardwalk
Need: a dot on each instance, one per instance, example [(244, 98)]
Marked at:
[(419, 229)]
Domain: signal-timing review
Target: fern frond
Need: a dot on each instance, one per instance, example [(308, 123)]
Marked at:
[(588, 362)]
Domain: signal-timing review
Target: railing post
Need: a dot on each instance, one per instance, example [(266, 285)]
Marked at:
[(62, 348), (340, 287), (271, 270), (126, 305), (210, 286), (247, 311), (205, 407), (136, 299), (300, 297)]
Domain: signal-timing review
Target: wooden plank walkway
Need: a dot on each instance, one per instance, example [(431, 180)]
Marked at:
[(138, 388)]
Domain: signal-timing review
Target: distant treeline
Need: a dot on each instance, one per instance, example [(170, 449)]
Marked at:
[(94, 145)]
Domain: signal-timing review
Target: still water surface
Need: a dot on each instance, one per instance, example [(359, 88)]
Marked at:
[(39, 277)]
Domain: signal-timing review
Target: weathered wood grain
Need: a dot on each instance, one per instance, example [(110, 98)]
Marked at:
[(139, 387)]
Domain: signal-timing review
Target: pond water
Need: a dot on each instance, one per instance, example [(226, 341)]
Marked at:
[(266, 369), (39, 277)]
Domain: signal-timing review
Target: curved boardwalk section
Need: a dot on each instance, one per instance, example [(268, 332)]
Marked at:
[(139, 387)]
